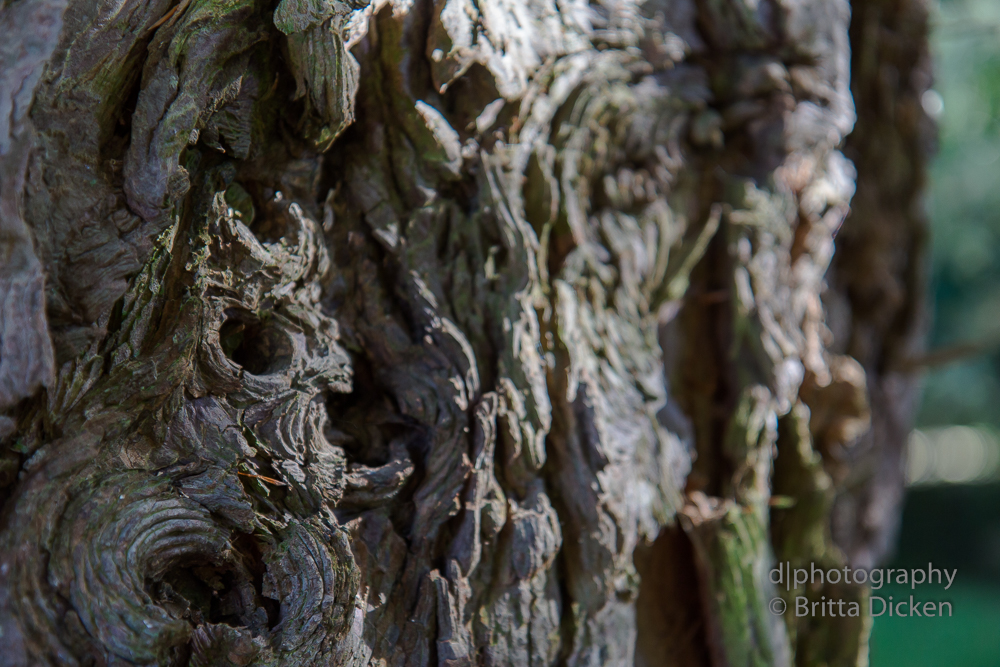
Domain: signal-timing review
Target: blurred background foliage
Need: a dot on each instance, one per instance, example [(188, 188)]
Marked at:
[(964, 206), (950, 519)]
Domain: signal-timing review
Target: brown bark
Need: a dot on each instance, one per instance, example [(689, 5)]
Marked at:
[(879, 273)]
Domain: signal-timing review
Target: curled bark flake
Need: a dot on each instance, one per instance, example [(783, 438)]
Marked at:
[(196, 66)]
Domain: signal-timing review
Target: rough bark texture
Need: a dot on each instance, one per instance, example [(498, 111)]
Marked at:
[(447, 333)]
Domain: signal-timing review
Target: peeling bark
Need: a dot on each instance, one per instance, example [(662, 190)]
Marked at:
[(411, 333)]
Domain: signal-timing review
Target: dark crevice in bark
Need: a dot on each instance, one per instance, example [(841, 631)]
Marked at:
[(670, 615), (707, 390)]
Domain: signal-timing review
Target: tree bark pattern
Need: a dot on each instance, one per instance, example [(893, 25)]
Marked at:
[(411, 333)]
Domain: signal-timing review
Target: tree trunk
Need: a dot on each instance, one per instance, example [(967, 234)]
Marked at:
[(443, 333)]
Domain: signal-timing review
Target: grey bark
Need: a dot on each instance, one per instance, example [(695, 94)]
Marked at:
[(417, 333)]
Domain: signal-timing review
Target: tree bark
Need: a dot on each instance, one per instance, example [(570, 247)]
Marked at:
[(410, 333), (879, 274)]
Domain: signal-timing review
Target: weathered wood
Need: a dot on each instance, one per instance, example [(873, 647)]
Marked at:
[(410, 333)]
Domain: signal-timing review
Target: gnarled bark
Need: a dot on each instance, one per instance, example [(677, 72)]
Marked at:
[(409, 332)]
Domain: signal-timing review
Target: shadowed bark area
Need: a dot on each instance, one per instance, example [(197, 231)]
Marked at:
[(417, 333), (879, 277)]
